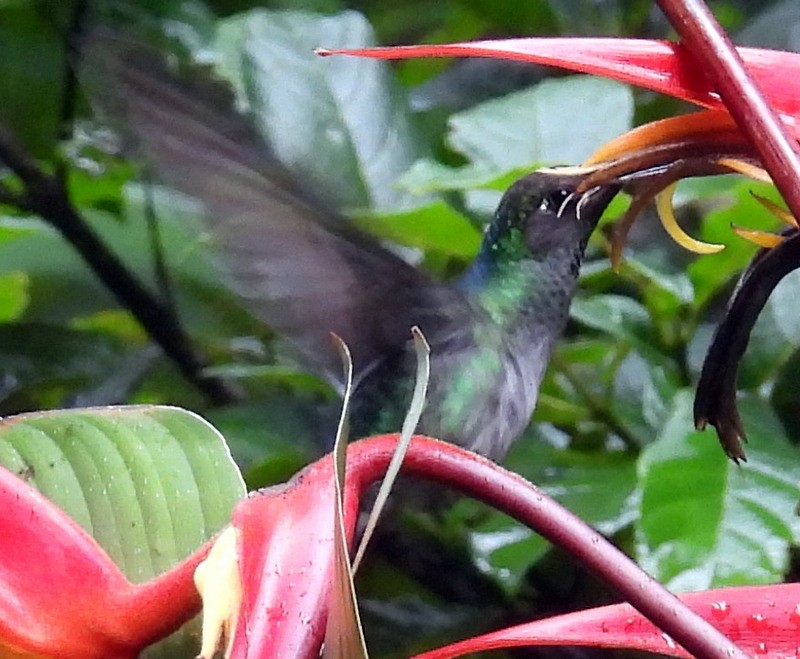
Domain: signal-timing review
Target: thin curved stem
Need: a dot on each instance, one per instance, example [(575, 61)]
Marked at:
[(510, 493), (46, 195)]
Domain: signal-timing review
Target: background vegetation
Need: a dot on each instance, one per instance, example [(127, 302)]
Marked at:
[(612, 437)]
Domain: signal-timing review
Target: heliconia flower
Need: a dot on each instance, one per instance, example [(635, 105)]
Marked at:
[(281, 544), (763, 620), (706, 142), (281, 541), (62, 597), (650, 159)]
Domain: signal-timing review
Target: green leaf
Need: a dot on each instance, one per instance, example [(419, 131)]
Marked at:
[(435, 227), (115, 323), (644, 388), (426, 176), (12, 228), (705, 522), (506, 550), (585, 351), (559, 410), (60, 284), (45, 362), (339, 123), (14, 295), (596, 486), (663, 293), (615, 315), (555, 122), (32, 68), (558, 403), (149, 483), (98, 181)]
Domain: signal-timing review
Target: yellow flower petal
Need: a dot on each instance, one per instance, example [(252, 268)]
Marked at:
[(220, 587), (667, 216), (777, 211), (760, 238), (746, 169)]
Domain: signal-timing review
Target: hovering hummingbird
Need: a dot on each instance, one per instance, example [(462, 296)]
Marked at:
[(305, 272)]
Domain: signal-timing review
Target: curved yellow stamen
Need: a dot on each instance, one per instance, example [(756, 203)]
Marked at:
[(667, 216), (760, 238)]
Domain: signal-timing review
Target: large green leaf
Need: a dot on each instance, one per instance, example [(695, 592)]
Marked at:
[(434, 227), (554, 122), (149, 483), (340, 123), (557, 121), (705, 522)]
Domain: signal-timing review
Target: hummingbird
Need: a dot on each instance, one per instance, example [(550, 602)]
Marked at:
[(304, 271)]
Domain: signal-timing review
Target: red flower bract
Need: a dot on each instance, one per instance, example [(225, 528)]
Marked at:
[(661, 66), (763, 620), (61, 596), (286, 549)]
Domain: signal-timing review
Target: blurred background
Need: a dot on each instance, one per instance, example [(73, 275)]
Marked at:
[(612, 437)]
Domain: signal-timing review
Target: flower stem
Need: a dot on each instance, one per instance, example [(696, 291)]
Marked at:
[(708, 43)]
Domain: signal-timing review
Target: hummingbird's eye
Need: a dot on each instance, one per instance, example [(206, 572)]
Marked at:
[(553, 200)]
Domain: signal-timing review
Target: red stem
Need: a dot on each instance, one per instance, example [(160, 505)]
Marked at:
[(712, 48), (469, 473), (152, 610)]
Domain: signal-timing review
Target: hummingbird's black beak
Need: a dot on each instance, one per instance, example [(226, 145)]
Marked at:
[(592, 204)]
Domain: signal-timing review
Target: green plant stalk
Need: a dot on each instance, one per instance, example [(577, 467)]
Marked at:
[(46, 195)]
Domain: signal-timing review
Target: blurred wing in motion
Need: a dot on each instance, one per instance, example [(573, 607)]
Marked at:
[(301, 268)]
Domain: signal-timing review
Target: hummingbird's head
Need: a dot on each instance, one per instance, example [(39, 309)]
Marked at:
[(548, 213)]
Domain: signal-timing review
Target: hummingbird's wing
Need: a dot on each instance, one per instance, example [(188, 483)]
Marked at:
[(302, 269)]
